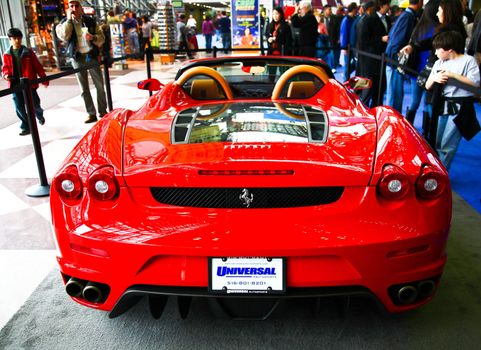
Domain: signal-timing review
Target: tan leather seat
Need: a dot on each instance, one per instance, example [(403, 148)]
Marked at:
[(205, 89), (301, 89)]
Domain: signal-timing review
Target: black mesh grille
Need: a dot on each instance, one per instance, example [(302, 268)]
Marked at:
[(247, 198)]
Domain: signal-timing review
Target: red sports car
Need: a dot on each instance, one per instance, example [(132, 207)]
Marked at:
[(250, 180)]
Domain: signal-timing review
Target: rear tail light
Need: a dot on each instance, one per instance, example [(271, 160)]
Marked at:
[(102, 184), (68, 183), (394, 183), (430, 184)]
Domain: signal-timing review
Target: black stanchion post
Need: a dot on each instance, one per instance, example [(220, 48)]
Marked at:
[(43, 189), (381, 78), (214, 52), (262, 44), (108, 91)]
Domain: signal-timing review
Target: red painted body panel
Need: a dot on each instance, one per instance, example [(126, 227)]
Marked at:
[(352, 241)]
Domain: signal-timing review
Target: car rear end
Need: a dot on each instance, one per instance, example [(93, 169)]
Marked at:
[(253, 202)]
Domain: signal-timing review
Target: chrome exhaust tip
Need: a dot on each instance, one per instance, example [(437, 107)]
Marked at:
[(407, 294), (74, 287), (92, 292), (426, 288)]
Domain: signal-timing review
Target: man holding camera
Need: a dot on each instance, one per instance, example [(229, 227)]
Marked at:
[(84, 40), (399, 36)]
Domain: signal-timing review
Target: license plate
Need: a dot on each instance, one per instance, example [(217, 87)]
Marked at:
[(247, 275)]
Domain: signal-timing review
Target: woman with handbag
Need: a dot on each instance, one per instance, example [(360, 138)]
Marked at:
[(279, 35), (450, 18)]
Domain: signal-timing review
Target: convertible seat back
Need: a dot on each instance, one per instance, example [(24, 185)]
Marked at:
[(205, 89), (301, 89)]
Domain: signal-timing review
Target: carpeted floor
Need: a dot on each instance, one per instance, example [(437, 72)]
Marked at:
[(50, 320)]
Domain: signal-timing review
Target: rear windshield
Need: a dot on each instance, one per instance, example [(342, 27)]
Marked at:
[(250, 122)]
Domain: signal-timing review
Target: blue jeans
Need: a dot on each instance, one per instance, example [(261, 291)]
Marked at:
[(83, 80), (416, 95), (133, 39), (21, 111), (208, 41), (226, 41), (447, 139), (394, 88)]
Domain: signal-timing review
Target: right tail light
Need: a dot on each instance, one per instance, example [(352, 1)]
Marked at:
[(430, 183)]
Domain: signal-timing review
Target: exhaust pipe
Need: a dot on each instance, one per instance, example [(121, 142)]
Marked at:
[(426, 288), (74, 287), (92, 292), (407, 294)]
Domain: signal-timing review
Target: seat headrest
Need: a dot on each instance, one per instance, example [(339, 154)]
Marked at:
[(301, 89), (205, 89)]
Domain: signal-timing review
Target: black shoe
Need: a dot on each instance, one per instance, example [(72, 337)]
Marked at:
[(41, 121), (24, 132), (91, 119), (101, 115)]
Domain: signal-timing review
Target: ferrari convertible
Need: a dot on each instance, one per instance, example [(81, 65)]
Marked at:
[(250, 180)]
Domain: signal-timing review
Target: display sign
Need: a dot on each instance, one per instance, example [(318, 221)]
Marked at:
[(245, 24), (178, 4), (118, 43), (257, 275)]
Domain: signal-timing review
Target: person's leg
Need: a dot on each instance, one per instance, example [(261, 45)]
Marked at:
[(38, 107), (347, 68), (390, 97), (208, 41), (416, 95), (143, 42), (19, 103), (448, 141), (397, 86), (135, 40), (83, 80), (98, 80)]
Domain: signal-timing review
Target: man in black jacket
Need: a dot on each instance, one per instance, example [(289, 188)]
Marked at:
[(306, 22), (372, 38)]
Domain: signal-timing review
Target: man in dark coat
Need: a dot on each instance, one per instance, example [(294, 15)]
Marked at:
[(306, 22), (372, 38)]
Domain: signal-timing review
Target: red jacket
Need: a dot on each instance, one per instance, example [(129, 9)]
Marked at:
[(31, 67)]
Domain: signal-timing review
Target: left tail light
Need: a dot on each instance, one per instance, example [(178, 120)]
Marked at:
[(431, 183), (68, 183), (102, 184), (394, 183)]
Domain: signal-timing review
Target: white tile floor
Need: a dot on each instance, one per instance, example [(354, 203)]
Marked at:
[(22, 270)]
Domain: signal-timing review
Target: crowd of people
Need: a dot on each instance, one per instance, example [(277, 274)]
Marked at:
[(430, 39)]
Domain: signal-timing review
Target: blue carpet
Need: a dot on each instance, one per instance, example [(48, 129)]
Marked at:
[(465, 173)]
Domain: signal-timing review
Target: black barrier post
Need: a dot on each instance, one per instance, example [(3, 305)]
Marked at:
[(214, 54), (381, 78), (262, 44), (147, 59), (43, 189), (108, 91)]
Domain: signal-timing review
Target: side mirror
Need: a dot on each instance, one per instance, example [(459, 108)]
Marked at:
[(358, 83), (150, 85)]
